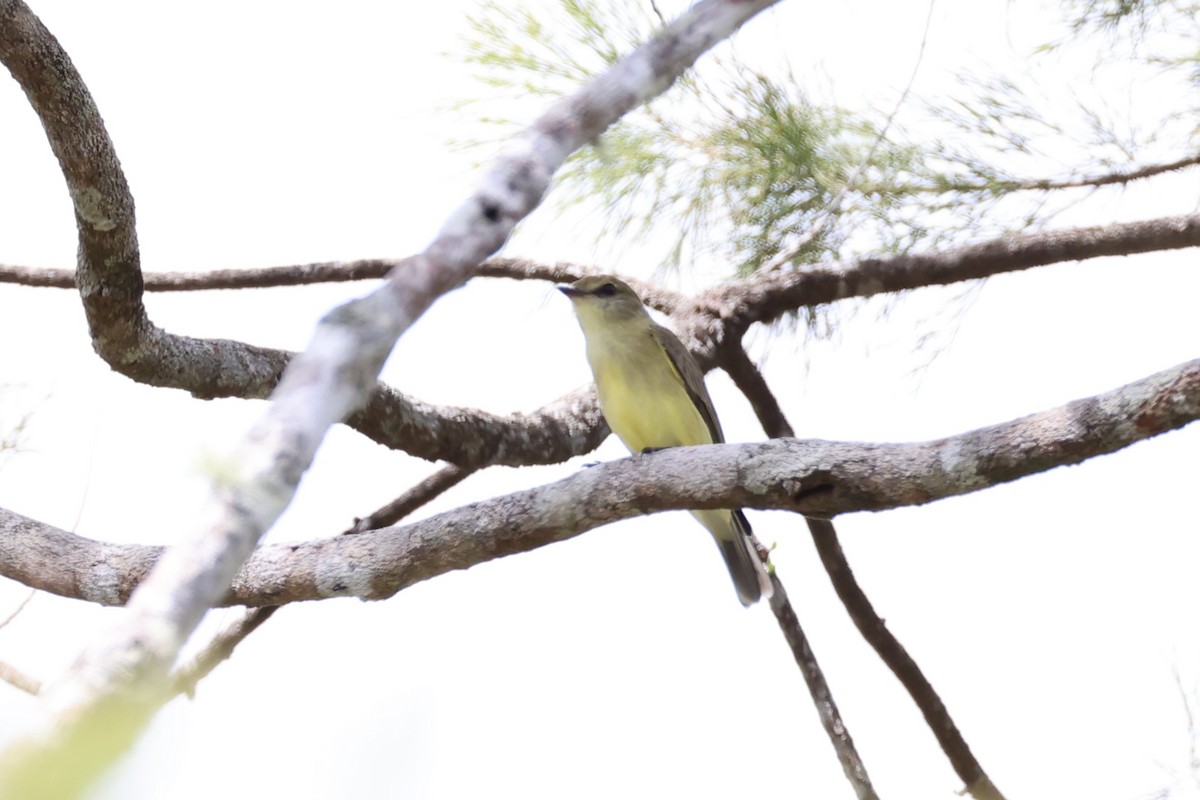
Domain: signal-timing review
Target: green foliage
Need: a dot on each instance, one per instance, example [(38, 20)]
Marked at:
[(539, 54), (744, 169), (1111, 14), (1111, 103), (738, 166)]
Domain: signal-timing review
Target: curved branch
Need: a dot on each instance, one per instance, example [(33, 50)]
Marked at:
[(814, 478), (572, 425), (567, 427), (117, 683), (792, 289), (110, 281)]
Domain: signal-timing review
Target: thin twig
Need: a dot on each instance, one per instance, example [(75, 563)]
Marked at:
[(750, 381), (20, 607), (831, 719), (219, 648), (10, 674), (902, 665), (440, 481), (734, 360)]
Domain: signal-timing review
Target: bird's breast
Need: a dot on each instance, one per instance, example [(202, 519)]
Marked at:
[(643, 398)]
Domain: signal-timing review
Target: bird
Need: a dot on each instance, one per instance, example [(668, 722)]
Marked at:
[(652, 396)]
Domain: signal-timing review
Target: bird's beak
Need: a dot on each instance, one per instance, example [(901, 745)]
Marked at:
[(570, 291)]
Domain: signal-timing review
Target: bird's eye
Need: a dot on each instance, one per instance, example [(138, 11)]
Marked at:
[(607, 290)]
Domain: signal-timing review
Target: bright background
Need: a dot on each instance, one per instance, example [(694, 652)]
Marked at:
[(1057, 616)]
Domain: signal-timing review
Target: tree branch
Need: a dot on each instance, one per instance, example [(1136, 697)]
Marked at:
[(444, 479), (902, 665), (221, 647), (1118, 177), (765, 297), (18, 679), (330, 272), (102, 704), (185, 679), (750, 381), (814, 478), (572, 425), (747, 378), (831, 719)]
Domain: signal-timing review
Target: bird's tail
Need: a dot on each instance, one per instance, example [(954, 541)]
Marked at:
[(749, 574)]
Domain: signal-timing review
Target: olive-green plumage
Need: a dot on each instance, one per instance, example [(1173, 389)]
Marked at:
[(652, 395)]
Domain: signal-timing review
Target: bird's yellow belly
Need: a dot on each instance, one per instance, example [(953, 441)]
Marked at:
[(649, 408)]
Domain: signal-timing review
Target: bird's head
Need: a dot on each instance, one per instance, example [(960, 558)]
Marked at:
[(603, 299)]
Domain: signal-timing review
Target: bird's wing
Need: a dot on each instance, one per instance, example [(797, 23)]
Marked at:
[(692, 378)]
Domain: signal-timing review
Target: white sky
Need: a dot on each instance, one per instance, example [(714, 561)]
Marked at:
[(1052, 614)]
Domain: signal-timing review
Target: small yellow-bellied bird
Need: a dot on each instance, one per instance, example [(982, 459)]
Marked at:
[(652, 395)]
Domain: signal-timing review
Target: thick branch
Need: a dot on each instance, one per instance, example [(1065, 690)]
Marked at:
[(570, 426), (814, 478)]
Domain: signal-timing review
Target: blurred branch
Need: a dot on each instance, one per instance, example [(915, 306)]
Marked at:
[(814, 678), (100, 707), (15, 678), (221, 647), (814, 478), (902, 665), (10, 674)]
